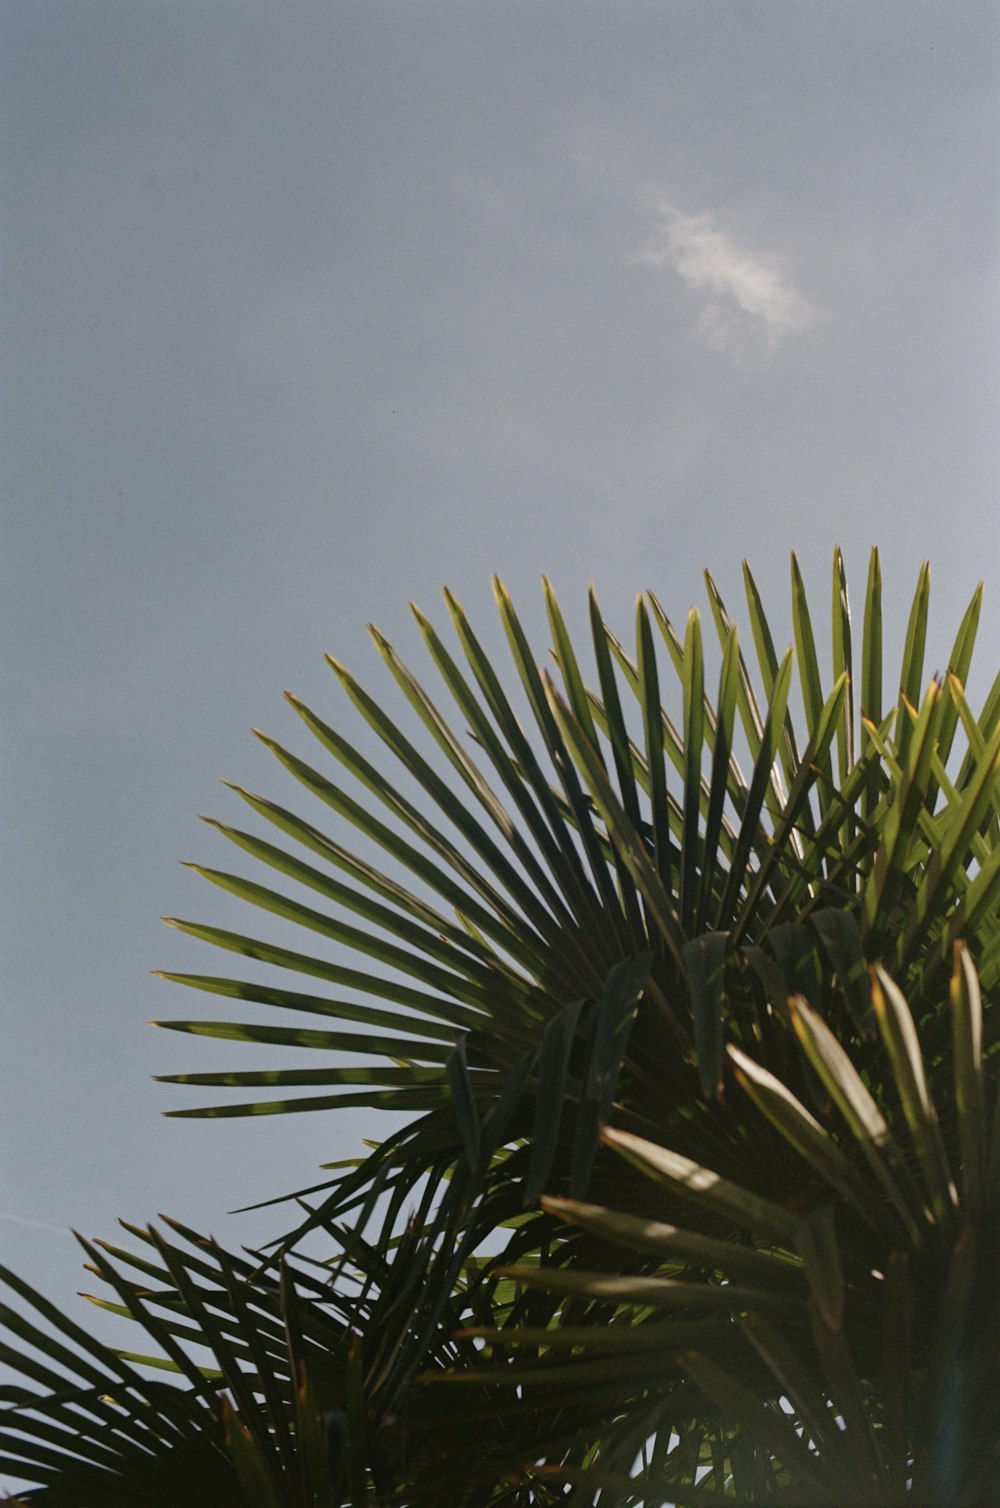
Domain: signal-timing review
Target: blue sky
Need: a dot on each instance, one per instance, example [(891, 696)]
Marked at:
[(311, 309)]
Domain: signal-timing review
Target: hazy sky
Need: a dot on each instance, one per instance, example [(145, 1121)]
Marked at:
[(311, 308)]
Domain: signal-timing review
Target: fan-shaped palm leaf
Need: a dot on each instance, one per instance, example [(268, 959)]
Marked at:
[(543, 852)]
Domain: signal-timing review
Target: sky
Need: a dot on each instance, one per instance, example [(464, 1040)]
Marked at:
[(311, 310)]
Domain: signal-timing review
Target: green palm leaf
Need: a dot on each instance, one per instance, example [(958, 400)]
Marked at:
[(857, 1420)]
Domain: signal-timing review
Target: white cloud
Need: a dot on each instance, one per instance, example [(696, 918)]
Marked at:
[(751, 307), (60, 1230)]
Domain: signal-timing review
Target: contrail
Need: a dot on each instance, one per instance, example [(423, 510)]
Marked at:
[(59, 1230)]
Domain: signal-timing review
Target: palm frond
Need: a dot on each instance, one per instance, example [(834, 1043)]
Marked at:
[(858, 1354)]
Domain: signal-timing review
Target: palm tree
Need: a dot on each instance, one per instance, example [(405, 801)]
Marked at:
[(693, 1198)]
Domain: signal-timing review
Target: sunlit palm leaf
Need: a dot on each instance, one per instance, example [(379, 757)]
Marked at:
[(893, 1398)]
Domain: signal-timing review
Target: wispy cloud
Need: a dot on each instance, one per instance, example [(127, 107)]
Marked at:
[(59, 1230), (751, 306)]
